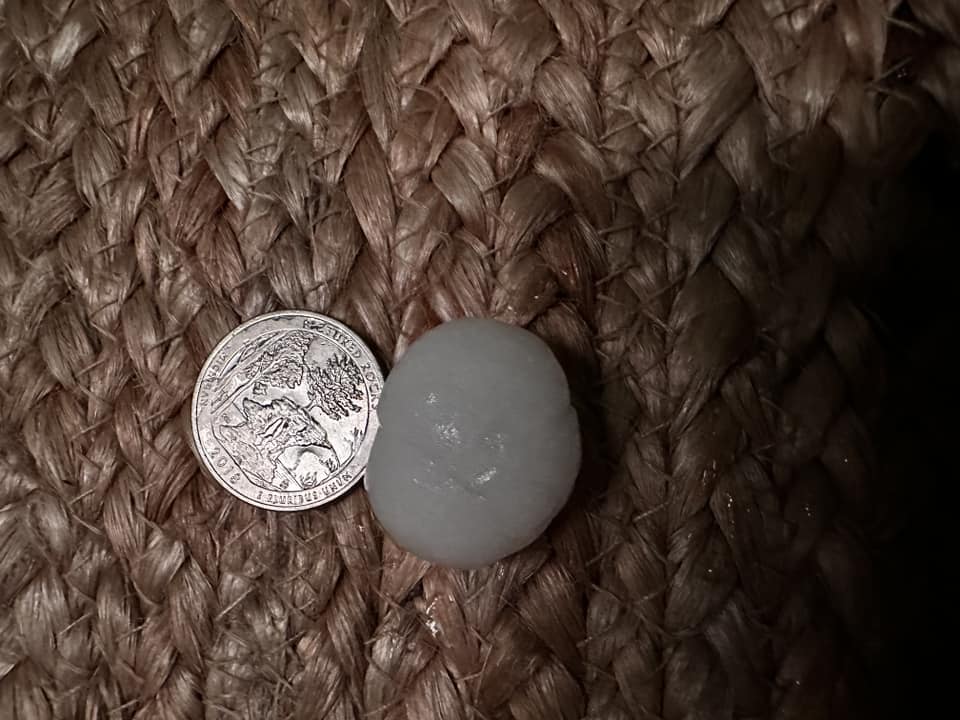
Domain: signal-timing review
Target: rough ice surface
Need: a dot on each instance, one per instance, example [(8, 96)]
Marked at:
[(478, 446)]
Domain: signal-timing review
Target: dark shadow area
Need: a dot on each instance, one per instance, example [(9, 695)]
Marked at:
[(915, 306)]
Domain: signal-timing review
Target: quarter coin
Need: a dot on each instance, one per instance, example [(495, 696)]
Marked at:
[(284, 410)]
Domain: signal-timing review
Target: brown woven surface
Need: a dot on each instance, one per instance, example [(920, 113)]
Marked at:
[(676, 195)]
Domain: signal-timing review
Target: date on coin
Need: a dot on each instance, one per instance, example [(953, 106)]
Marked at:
[(284, 410)]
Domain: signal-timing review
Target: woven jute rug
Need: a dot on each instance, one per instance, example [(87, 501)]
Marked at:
[(680, 197)]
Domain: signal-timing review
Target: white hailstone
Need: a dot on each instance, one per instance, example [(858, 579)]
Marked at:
[(478, 446)]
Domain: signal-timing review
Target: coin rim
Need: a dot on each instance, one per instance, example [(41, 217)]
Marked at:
[(373, 422)]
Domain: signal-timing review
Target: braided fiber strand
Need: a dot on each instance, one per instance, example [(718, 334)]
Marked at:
[(682, 198), (701, 544), (487, 225)]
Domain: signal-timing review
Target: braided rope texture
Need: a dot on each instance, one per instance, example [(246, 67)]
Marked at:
[(679, 196)]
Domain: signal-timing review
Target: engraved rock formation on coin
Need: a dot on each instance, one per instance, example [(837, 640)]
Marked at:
[(284, 410)]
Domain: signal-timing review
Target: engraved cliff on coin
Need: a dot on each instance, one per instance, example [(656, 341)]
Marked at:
[(283, 411), (260, 442)]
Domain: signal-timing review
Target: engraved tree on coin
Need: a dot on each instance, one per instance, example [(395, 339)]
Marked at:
[(336, 388), (274, 430), (282, 363), (276, 358)]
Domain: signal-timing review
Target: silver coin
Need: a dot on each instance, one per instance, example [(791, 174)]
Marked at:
[(284, 410)]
